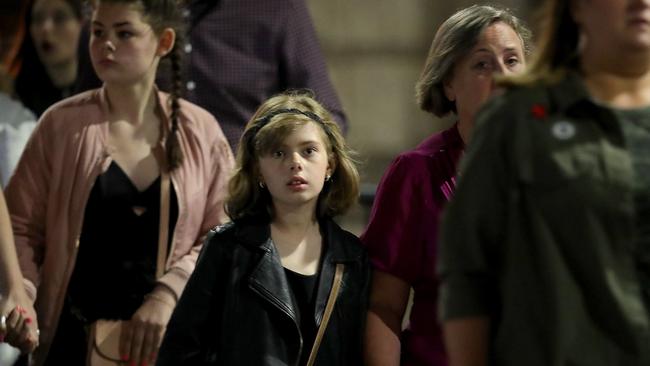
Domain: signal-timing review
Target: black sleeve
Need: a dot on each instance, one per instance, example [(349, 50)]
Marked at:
[(194, 325)]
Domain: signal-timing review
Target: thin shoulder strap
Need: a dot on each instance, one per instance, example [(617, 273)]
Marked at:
[(331, 300)]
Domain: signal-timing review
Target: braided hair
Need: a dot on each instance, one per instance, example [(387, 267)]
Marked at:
[(172, 145)]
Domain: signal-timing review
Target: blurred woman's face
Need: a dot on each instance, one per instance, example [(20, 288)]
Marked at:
[(614, 26), (499, 50), (55, 31)]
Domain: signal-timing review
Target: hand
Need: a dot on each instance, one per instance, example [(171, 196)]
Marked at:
[(142, 335), (20, 328)]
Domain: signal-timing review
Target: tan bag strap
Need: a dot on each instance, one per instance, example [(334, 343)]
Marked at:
[(163, 228), (334, 292)]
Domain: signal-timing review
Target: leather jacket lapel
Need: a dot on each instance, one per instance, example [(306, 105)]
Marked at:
[(269, 281)]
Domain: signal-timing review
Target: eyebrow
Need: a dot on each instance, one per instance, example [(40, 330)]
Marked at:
[(310, 142), (507, 49), (115, 25), (303, 143)]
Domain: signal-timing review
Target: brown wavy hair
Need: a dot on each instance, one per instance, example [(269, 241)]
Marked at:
[(265, 131)]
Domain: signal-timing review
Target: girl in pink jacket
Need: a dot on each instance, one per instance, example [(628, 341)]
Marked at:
[(88, 194)]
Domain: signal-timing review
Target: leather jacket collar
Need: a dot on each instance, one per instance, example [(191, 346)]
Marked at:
[(268, 278)]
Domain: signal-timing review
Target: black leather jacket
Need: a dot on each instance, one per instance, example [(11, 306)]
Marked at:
[(238, 308)]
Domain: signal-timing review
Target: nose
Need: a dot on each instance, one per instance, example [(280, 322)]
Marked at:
[(500, 68), (43, 25), (108, 46), (295, 163), (48, 25)]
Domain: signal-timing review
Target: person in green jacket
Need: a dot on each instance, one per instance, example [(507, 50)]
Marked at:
[(545, 249)]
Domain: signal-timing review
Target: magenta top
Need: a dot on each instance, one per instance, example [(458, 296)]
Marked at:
[(402, 233)]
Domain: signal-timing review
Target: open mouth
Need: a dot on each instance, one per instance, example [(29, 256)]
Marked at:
[(296, 181), (47, 46)]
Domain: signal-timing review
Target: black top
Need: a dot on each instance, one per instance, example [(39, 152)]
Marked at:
[(116, 263), (304, 288)]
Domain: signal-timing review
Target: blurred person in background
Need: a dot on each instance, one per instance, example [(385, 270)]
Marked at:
[(16, 125), (545, 248), (469, 48), (16, 121), (48, 55)]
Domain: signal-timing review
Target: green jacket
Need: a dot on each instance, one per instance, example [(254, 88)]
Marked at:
[(539, 234)]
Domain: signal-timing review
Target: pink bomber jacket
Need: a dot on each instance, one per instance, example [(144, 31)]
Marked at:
[(47, 195)]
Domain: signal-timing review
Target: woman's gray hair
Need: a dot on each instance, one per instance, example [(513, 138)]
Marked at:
[(453, 40)]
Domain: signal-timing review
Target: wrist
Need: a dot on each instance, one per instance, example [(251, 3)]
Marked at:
[(163, 296), (17, 295)]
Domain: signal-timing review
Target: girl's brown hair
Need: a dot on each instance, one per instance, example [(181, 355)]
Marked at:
[(273, 121)]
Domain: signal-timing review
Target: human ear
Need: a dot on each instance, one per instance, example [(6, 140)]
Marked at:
[(331, 166), (166, 42), (448, 88)]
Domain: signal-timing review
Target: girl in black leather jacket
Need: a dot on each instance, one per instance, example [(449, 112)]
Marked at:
[(261, 286)]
